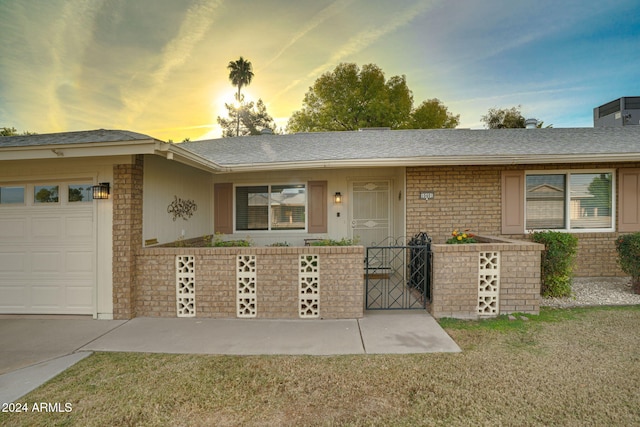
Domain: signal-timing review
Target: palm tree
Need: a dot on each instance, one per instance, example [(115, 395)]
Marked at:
[(240, 74)]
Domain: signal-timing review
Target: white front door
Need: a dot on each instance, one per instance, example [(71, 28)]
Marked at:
[(370, 211)]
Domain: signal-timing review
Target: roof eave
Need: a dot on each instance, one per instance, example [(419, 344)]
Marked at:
[(432, 161), (179, 154), (91, 149)]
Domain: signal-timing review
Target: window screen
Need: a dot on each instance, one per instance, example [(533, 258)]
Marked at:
[(545, 201), (571, 201), (590, 200), (275, 207), (287, 207), (252, 208)]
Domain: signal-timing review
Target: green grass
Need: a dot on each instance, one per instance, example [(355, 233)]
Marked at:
[(564, 367)]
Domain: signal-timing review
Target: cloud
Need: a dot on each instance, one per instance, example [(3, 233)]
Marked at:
[(320, 17), (362, 40), (71, 35), (193, 28)]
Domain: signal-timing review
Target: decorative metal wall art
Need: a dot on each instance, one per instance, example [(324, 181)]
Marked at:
[(180, 208)]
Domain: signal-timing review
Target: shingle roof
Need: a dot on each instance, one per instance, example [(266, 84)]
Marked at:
[(419, 144), (376, 147), (66, 138)]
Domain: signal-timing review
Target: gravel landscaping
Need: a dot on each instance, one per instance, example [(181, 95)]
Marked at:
[(596, 291)]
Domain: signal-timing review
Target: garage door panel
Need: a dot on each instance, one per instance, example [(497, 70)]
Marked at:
[(46, 262), (13, 296), (46, 228), (13, 262), (78, 297), (12, 229), (78, 228), (79, 262), (50, 296)]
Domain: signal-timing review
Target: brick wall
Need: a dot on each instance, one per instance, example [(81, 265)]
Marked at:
[(341, 281), (456, 278), (470, 197), (127, 235)]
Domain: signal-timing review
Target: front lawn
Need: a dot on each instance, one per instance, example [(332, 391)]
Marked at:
[(564, 367)]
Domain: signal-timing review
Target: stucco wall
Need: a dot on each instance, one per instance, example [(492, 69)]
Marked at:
[(339, 216), (165, 179)]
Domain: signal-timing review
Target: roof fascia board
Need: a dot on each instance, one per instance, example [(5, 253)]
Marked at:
[(433, 161), (95, 149), (179, 154)]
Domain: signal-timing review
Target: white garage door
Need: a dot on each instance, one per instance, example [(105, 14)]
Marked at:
[(47, 248)]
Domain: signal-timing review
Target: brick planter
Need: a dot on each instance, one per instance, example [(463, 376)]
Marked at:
[(495, 276), (252, 282)]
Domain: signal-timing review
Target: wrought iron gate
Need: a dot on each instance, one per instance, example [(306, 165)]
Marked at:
[(399, 276)]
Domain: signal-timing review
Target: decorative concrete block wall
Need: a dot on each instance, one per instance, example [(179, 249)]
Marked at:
[(496, 276), (260, 282)]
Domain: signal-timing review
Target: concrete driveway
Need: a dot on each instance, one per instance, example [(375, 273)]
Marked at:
[(28, 340)]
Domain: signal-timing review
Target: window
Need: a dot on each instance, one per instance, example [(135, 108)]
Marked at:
[(80, 193), (271, 207), (11, 195), (569, 201), (45, 194)]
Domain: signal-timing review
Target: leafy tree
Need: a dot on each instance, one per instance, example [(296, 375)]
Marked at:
[(240, 74), (5, 131), (350, 98), (432, 114), (504, 118), (507, 118), (8, 131), (253, 117)]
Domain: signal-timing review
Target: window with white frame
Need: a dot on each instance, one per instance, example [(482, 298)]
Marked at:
[(271, 207), (11, 195), (569, 201)]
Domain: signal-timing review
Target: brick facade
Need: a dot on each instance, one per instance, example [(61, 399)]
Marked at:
[(456, 278), (127, 235), (470, 197), (341, 281)]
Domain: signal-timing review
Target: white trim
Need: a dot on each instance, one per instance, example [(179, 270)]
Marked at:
[(431, 161), (567, 199)]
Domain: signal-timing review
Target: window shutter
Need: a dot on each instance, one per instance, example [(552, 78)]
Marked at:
[(223, 208), (629, 197), (512, 202), (317, 222)]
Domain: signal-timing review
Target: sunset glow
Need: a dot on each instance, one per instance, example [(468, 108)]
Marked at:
[(161, 70)]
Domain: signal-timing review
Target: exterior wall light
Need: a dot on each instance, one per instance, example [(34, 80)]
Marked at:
[(337, 198), (101, 191)]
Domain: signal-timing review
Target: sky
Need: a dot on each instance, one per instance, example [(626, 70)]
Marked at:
[(159, 67)]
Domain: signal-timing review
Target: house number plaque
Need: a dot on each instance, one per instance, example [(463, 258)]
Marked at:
[(427, 195)]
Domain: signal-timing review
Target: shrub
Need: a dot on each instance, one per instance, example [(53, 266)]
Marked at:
[(218, 242), (557, 262), (331, 242), (628, 248)]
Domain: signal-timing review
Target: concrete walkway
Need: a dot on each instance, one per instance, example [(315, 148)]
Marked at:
[(32, 351)]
